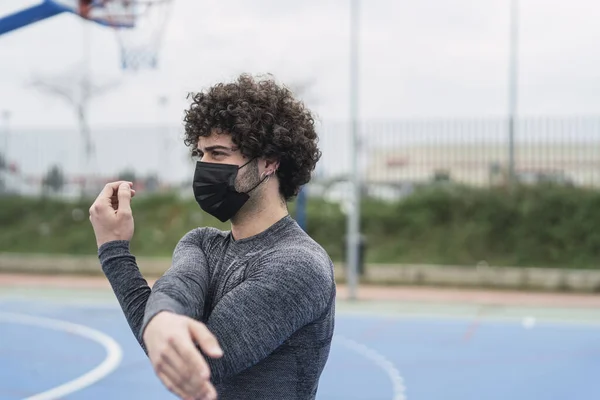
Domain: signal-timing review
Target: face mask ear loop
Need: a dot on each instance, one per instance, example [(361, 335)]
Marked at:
[(247, 163), (265, 179)]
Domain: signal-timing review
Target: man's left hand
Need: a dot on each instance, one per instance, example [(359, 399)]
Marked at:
[(111, 215)]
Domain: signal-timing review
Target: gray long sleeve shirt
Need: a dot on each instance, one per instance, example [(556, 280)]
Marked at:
[(269, 299)]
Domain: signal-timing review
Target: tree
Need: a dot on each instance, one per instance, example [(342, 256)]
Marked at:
[(441, 175), (54, 179), (3, 167), (127, 175), (151, 183)]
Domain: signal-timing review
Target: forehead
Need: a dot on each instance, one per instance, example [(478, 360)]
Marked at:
[(215, 139)]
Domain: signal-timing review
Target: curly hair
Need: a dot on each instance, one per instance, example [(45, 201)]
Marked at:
[(264, 121)]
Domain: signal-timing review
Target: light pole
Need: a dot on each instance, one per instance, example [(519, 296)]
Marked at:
[(163, 148), (6, 128), (354, 212), (512, 87)]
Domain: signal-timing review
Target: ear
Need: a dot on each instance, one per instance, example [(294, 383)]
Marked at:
[(271, 166)]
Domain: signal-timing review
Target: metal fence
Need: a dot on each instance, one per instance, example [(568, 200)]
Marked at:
[(394, 155)]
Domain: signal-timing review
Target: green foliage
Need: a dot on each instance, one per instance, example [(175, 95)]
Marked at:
[(127, 175), (54, 179), (529, 226)]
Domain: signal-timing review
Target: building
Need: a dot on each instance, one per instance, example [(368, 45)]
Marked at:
[(483, 164)]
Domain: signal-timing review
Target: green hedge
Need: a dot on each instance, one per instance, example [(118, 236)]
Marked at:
[(529, 226)]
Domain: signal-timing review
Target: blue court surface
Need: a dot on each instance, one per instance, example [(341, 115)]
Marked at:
[(68, 346)]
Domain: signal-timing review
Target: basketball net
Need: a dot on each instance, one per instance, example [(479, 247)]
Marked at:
[(139, 27)]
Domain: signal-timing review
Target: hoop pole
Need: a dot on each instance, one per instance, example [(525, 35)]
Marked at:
[(354, 212)]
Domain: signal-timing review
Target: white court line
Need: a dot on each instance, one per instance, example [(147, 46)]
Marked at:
[(110, 363), (386, 365), (105, 304)]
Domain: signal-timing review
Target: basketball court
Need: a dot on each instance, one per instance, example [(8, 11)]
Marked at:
[(67, 339)]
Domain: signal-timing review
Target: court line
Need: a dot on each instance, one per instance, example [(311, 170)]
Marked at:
[(476, 322), (379, 359), (546, 321), (541, 320), (111, 362)]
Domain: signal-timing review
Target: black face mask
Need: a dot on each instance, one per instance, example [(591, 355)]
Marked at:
[(214, 189)]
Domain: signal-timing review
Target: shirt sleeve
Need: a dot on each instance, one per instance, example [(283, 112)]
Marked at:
[(283, 294), (127, 282), (181, 289)]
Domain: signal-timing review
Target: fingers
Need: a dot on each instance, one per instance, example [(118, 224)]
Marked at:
[(169, 384), (210, 392), (115, 198), (174, 378), (104, 202), (124, 197), (193, 358), (207, 341), (180, 376), (111, 187), (204, 391)]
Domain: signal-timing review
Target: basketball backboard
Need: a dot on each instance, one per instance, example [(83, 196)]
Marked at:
[(138, 24)]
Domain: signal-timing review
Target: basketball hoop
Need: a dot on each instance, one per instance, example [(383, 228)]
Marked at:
[(139, 26)]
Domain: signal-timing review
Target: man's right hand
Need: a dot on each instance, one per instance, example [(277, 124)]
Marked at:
[(171, 343)]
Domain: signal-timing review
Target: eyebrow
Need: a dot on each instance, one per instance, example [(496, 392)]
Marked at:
[(216, 147)]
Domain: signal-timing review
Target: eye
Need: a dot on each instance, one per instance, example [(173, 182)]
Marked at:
[(197, 155), (218, 154)]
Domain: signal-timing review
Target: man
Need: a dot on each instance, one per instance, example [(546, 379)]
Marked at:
[(248, 313)]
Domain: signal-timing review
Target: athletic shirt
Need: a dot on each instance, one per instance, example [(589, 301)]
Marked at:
[(269, 300)]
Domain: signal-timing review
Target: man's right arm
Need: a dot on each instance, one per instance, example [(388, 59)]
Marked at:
[(181, 289)]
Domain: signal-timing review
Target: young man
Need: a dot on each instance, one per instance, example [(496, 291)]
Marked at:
[(248, 313)]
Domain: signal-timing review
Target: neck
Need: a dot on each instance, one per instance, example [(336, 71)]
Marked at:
[(261, 219)]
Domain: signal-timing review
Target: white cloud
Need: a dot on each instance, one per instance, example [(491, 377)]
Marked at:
[(426, 58)]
